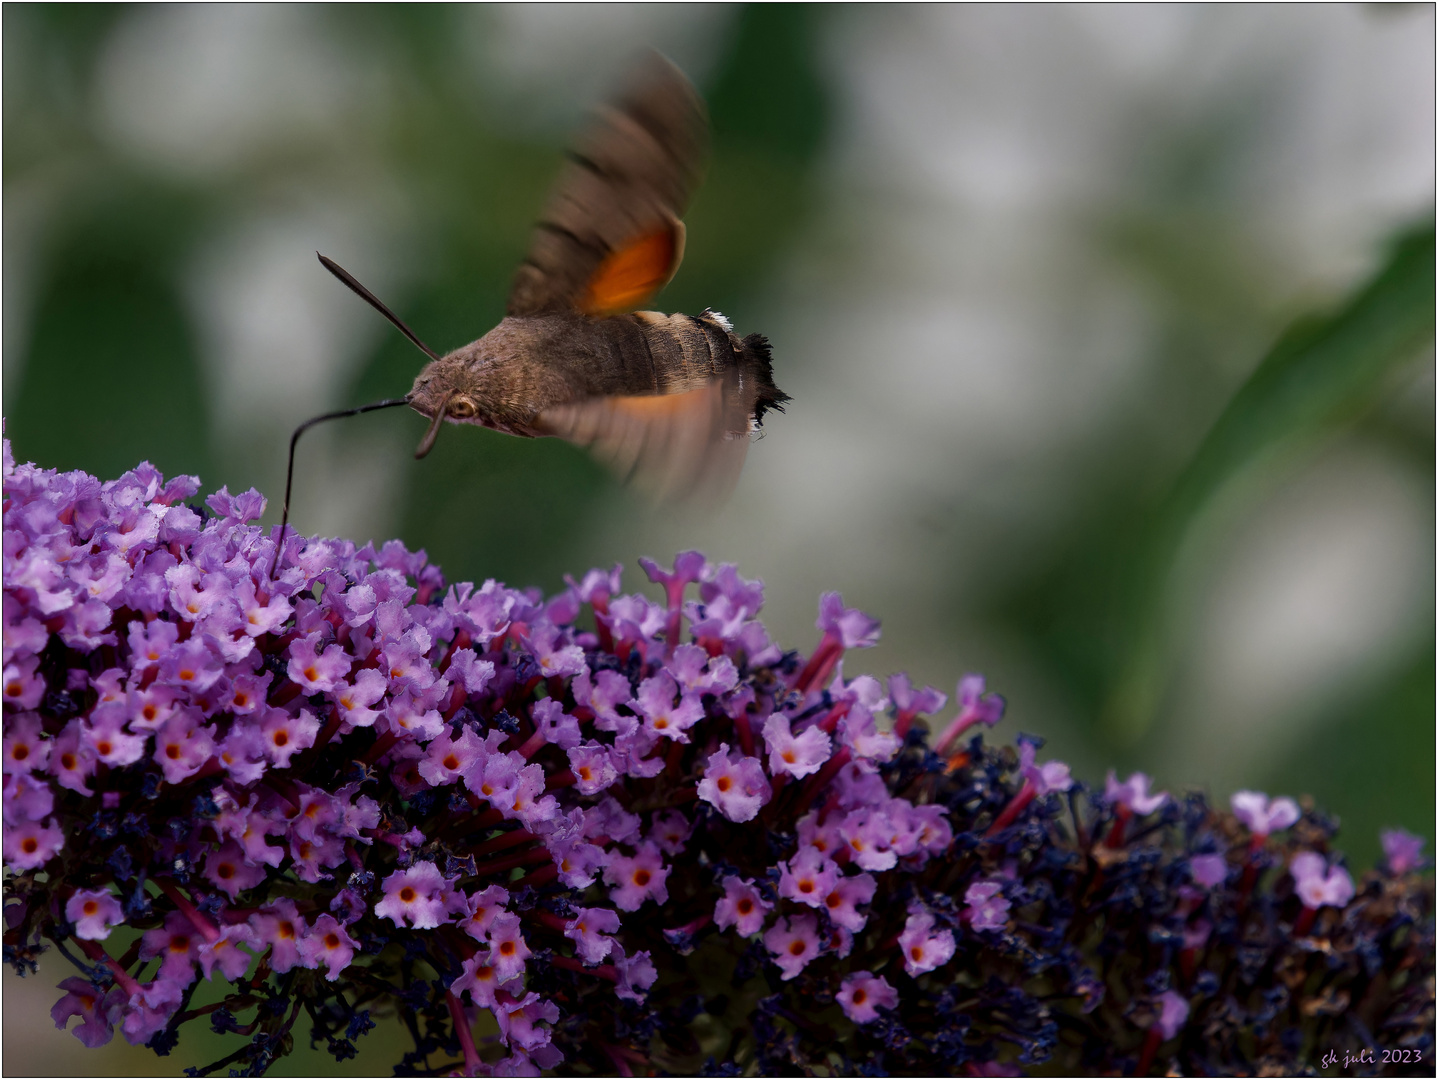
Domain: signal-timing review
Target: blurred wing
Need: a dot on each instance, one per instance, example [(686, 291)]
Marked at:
[(689, 445), (610, 236)]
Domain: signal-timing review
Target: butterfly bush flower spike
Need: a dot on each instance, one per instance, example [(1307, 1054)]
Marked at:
[(568, 833)]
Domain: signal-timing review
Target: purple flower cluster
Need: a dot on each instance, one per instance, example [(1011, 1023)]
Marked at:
[(326, 778)]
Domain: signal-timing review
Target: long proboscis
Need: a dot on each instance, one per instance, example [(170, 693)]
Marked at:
[(388, 403)]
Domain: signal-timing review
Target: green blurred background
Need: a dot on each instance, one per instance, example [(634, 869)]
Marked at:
[(1109, 332)]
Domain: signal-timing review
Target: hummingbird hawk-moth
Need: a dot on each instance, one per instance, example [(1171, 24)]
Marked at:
[(669, 401)]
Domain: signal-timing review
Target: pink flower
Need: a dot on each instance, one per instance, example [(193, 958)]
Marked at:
[(655, 702), (31, 845), (1261, 816), (587, 930), (176, 944), (1402, 850), (922, 949), (987, 908), (736, 785), (280, 927), (224, 952), (637, 878), (793, 942), (1208, 870), (327, 943), (182, 746), (862, 994), (507, 949), (975, 707), (478, 911), (228, 870), (72, 760), (636, 974), (447, 759), (111, 744), (808, 878), (669, 830), (414, 897), (518, 1021), (93, 911), (1173, 1012), (24, 749), (799, 755), (849, 627), (867, 833), (1133, 793), (24, 686), (479, 978), (844, 899), (26, 798), (82, 1000), (1316, 884), (286, 735), (354, 700), (741, 907), (1048, 777)]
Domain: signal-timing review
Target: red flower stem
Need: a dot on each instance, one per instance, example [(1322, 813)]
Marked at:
[(832, 718), (600, 603), (549, 919), (632, 1054), (903, 722), (532, 745), (461, 641), (381, 746), (1151, 1043), (745, 731), (206, 928), (1304, 922), (522, 859), (98, 955), (499, 843), (1014, 809), (285, 693), (555, 781), (466, 1036), (692, 927), (820, 779), (327, 733), (535, 878), (621, 1067), (1120, 822), (457, 698), (820, 664), (965, 720)]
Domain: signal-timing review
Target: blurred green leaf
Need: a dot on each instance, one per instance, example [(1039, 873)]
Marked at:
[(1377, 739), (1323, 374)]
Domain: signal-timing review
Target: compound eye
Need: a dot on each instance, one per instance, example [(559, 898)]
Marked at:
[(461, 409)]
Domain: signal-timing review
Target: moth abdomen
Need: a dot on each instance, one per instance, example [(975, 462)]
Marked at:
[(760, 367)]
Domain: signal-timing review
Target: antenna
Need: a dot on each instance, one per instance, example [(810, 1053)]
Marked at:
[(373, 301), (389, 403)]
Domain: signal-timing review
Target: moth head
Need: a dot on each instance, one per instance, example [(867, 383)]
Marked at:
[(442, 392)]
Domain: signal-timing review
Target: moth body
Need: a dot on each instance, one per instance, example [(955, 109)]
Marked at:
[(667, 401), (514, 378)]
